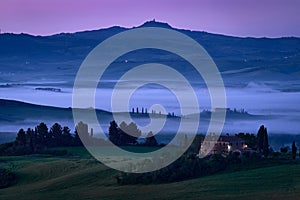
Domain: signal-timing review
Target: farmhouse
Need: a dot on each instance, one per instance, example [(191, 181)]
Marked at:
[(221, 145)]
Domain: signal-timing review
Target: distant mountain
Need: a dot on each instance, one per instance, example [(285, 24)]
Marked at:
[(25, 57)]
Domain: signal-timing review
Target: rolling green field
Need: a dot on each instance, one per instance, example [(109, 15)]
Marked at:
[(81, 177)]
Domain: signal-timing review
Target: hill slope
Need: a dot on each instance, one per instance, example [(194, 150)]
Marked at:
[(63, 178)]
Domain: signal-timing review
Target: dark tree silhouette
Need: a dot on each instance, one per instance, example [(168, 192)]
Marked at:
[(284, 149), (260, 138), (150, 140), (122, 134), (114, 133), (56, 134), (266, 143), (294, 150), (42, 134), (38, 140), (81, 129), (66, 136), (129, 133), (92, 132), (76, 140), (263, 141), (31, 138), (125, 134), (21, 138)]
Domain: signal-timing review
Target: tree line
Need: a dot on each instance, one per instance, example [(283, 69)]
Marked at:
[(40, 138)]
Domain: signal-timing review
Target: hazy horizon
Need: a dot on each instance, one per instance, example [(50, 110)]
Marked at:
[(158, 21), (235, 18)]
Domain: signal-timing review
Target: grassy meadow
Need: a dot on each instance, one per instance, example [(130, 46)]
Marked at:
[(81, 177)]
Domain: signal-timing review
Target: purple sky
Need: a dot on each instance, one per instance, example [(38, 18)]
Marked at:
[(270, 18)]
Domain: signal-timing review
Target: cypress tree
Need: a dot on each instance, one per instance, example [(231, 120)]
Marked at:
[(113, 132), (294, 150), (151, 140), (56, 134), (66, 136), (260, 138), (265, 143), (21, 137), (42, 133)]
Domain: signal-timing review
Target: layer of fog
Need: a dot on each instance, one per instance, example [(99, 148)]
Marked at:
[(257, 98)]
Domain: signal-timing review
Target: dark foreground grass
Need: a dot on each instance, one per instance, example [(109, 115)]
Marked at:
[(84, 178)]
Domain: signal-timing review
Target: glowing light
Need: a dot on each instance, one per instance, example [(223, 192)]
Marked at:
[(229, 147)]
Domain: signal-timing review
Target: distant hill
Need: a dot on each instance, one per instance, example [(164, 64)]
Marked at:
[(15, 115), (13, 111), (59, 56)]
